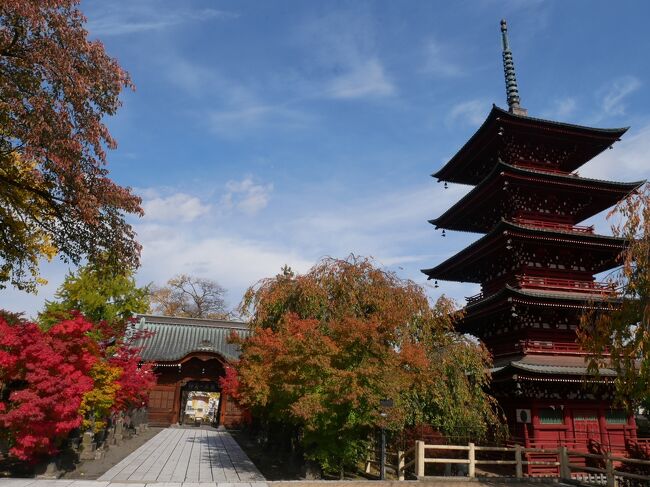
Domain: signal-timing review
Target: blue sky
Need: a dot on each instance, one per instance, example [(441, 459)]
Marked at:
[(270, 133)]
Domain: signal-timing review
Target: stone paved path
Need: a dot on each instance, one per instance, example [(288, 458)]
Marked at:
[(185, 455), (175, 457)]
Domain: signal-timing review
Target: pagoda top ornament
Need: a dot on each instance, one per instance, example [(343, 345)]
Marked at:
[(512, 90)]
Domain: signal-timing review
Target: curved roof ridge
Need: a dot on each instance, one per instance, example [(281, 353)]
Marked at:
[(573, 177), (184, 320), (501, 111), (506, 224), (608, 135)]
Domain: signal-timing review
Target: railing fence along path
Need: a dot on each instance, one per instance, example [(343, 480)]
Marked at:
[(568, 462)]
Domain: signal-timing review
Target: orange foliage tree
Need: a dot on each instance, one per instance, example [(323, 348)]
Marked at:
[(329, 345), (620, 336)]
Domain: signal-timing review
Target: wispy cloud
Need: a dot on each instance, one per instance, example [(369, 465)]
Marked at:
[(343, 42), (614, 94), (561, 109), (175, 207), (247, 196), (120, 18), (470, 112), (363, 80), (238, 121), (437, 61)]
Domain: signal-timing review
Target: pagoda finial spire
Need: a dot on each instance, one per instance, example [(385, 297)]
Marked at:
[(512, 91)]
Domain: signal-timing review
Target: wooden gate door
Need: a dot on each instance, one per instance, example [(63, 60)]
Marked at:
[(586, 427)]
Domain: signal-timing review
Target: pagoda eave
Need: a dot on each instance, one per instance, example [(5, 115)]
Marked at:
[(544, 298), (487, 142), (472, 212), (552, 368), (467, 265)]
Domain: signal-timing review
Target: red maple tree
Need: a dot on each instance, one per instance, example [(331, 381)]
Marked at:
[(44, 377), (137, 378)]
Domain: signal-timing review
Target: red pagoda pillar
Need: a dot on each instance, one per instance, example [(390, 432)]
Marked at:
[(536, 266)]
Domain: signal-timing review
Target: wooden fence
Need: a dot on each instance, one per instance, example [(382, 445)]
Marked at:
[(568, 462)]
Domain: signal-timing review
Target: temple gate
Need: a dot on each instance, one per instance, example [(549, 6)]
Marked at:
[(190, 355)]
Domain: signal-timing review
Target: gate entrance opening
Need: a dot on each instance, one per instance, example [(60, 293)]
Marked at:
[(200, 402)]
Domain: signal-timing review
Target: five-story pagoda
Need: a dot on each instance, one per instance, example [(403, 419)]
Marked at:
[(536, 266)]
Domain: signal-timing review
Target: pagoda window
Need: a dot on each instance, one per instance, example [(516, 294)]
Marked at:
[(550, 416), (616, 416), (585, 415)]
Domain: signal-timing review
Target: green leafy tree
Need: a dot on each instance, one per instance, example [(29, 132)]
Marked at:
[(101, 295), (619, 337), (329, 345)]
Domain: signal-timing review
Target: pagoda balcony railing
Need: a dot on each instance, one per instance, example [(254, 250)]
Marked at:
[(537, 346), (555, 225), (551, 283), (475, 298)]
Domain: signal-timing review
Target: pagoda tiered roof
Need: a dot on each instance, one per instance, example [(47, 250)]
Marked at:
[(481, 208), (519, 139), (469, 264), (485, 312), (554, 298), (532, 366)]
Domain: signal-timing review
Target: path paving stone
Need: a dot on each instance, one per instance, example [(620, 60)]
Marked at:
[(193, 457)]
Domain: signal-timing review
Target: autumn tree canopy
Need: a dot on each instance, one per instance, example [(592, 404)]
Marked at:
[(620, 337), (55, 194), (53, 381), (43, 379), (193, 297), (327, 346)]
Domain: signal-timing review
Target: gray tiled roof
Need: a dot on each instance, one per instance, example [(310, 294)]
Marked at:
[(174, 338), (553, 364)]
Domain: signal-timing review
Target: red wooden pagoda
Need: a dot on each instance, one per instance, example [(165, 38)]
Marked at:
[(536, 267)]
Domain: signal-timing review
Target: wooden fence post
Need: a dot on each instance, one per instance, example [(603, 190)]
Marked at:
[(609, 468), (400, 465), (472, 461), (565, 470), (419, 458), (519, 467)]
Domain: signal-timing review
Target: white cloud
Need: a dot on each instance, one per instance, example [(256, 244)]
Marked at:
[(471, 112), (176, 207), (234, 261), (628, 159), (383, 226), (118, 18), (437, 61), (363, 80), (247, 196), (614, 94)]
